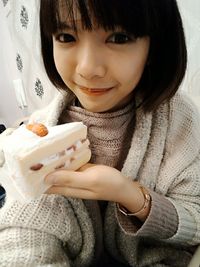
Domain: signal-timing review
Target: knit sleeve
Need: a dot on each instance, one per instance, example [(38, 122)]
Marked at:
[(180, 169), (25, 233), (175, 211), (162, 214), (43, 232)]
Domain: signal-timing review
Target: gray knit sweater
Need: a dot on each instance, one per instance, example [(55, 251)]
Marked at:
[(164, 156)]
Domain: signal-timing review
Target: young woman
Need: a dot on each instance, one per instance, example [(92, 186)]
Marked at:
[(118, 65)]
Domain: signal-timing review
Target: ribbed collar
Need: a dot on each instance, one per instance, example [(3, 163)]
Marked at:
[(109, 133)]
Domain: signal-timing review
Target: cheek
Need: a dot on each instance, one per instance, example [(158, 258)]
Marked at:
[(62, 64), (58, 62), (139, 63), (134, 63), (131, 72)]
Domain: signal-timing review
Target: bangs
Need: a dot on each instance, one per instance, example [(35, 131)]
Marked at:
[(129, 15)]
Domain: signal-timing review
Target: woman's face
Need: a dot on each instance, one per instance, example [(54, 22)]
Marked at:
[(102, 68)]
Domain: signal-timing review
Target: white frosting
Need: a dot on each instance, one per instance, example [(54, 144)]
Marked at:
[(23, 141), (56, 156)]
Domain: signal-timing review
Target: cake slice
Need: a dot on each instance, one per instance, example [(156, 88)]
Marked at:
[(33, 151)]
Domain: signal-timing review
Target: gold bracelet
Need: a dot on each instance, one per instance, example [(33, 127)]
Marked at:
[(147, 199)]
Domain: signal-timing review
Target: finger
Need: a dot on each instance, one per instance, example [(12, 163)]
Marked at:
[(60, 177), (71, 192), (67, 178)]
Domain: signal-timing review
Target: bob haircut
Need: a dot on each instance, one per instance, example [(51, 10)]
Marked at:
[(158, 19)]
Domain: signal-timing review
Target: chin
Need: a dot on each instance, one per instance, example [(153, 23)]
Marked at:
[(94, 108)]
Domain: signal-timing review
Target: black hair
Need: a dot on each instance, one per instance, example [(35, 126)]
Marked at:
[(158, 19)]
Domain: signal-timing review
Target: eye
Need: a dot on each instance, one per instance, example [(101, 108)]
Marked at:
[(120, 38), (65, 38)]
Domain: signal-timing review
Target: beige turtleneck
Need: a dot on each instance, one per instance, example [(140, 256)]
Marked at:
[(109, 133)]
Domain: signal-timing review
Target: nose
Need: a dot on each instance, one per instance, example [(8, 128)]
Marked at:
[(91, 62)]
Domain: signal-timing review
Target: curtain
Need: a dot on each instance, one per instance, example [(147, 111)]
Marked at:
[(32, 88)]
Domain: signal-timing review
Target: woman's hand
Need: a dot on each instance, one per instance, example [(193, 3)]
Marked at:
[(89, 182), (98, 182)]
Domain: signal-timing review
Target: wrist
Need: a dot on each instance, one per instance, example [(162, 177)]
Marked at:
[(136, 202)]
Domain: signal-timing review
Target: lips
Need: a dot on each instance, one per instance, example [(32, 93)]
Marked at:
[(95, 91)]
